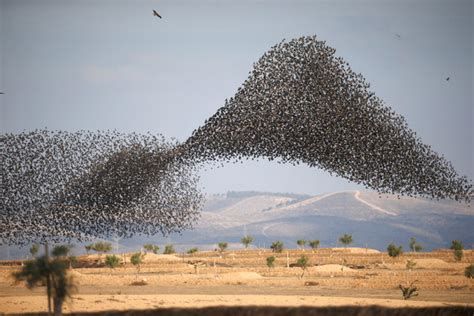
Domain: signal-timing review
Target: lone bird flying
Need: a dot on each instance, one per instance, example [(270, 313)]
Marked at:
[(156, 14), (447, 79)]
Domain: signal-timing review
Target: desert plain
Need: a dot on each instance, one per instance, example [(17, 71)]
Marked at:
[(334, 277)]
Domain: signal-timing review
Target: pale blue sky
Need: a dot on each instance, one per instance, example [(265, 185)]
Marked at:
[(74, 65)]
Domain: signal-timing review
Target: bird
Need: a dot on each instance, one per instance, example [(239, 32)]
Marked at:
[(447, 79), (2, 93), (398, 35), (156, 14)]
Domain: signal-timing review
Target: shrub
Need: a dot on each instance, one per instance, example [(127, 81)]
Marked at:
[(346, 240), (301, 243), (169, 249), (408, 291), (410, 264), (222, 246), (151, 248), (136, 259), (246, 240), (302, 262), (192, 250), (277, 246), (414, 246), (270, 262), (469, 271), (457, 248), (61, 250), (394, 251), (112, 261), (314, 244)]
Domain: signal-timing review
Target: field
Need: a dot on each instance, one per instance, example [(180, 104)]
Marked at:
[(335, 277)]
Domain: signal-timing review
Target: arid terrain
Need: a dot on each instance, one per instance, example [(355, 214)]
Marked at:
[(335, 277)]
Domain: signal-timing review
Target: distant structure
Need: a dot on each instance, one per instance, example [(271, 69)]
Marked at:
[(156, 14)]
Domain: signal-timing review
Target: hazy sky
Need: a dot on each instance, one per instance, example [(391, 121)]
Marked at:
[(74, 65)]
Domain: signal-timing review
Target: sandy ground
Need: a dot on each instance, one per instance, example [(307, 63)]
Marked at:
[(335, 278), (83, 303)]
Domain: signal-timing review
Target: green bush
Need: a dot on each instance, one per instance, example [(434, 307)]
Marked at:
[(222, 246), (301, 243), (246, 240), (270, 262), (314, 244), (277, 246), (346, 240), (415, 246), (192, 250), (457, 248), (169, 249), (394, 251), (112, 261), (469, 271), (151, 248), (303, 263), (136, 259)]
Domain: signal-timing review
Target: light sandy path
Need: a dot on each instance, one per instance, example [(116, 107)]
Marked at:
[(126, 302), (375, 207)]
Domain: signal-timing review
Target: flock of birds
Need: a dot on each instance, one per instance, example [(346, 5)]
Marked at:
[(300, 104), (59, 186)]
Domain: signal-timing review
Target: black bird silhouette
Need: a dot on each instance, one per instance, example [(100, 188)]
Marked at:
[(447, 79), (398, 35), (156, 14)]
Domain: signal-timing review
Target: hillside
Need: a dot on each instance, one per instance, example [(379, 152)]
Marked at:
[(373, 220)]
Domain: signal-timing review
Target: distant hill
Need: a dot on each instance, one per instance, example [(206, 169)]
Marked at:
[(373, 220)]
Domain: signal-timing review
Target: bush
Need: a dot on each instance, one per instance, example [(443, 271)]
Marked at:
[(277, 246), (469, 271), (222, 246), (414, 246), (457, 248), (192, 250), (112, 261), (301, 243), (394, 251), (169, 249), (302, 262), (408, 291), (270, 262), (34, 250), (246, 240), (314, 244), (410, 264), (136, 259), (346, 240), (61, 250), (151, 248)]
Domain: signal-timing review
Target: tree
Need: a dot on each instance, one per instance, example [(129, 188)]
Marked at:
[(314, 244), (112, 261), (270, 262), (192, 250), (303, 263), (102, 247), (394, 251), (89, 247), (457, 248), (151, 248), (34, 250), (136, 259), (246, 240), (414, 246), (61, 251), (37, 272), (301, 243), (222, 246), (169, 249), (346, 240), (469, 271), (277, 246)]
